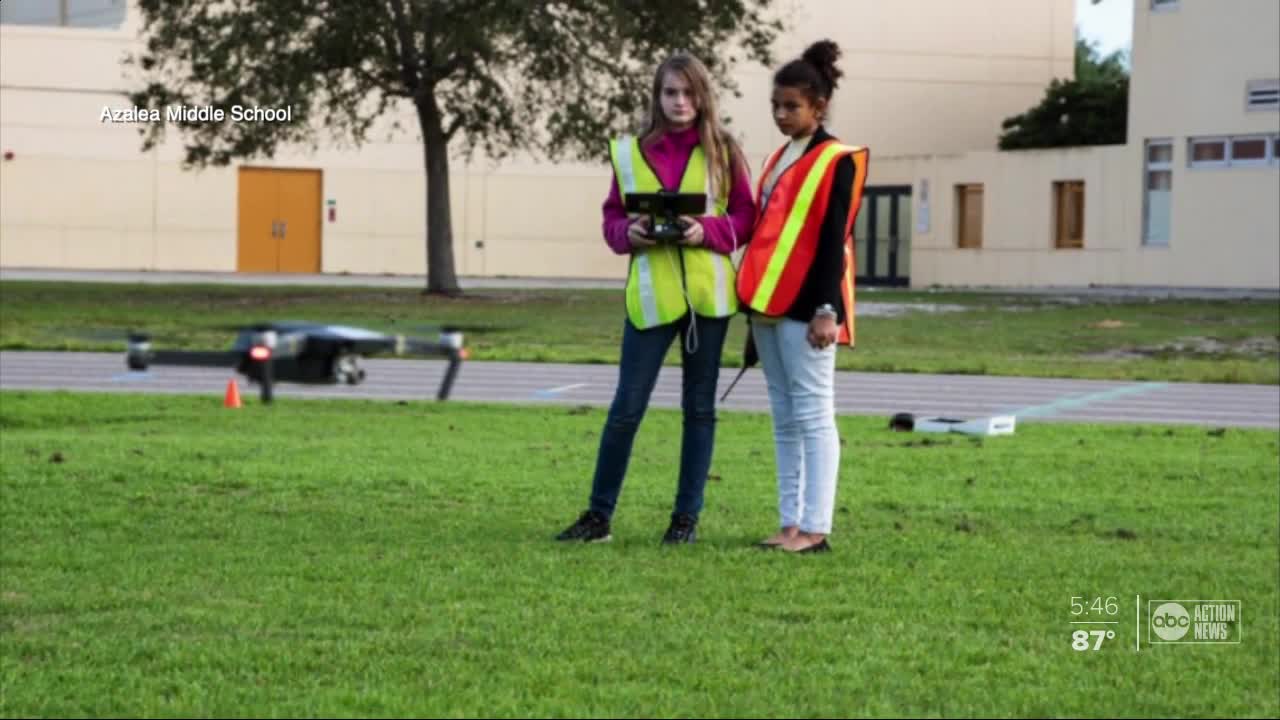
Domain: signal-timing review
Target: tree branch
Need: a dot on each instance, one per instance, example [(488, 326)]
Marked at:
[(410, 70), (382, 83), (449, 68), (453, 128)]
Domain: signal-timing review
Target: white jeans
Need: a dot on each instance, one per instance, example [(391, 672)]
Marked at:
[(801, 381)]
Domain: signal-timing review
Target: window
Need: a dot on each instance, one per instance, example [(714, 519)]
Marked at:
[(1239, 151), (1262, 95), (1068, 212), (1249, 151), (101, 14), (1157, 192), (1159, 5), (969, 216), (1207, 152)]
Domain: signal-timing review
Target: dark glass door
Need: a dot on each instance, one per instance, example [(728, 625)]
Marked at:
[(883, 236)]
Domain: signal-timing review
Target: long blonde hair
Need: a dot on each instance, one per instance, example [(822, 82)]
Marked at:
[(718, 145)]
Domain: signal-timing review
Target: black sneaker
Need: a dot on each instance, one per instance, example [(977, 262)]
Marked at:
[(683, 529), (591, 527)]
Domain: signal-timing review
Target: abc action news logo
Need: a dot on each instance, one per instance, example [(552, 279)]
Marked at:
[(1194, 621)]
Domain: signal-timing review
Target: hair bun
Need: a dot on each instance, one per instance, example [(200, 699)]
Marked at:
[(823, 56)]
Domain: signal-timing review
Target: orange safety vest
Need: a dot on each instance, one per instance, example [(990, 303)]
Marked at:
[(785, 239)]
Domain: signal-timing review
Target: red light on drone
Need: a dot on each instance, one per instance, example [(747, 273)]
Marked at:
[(260, 352)]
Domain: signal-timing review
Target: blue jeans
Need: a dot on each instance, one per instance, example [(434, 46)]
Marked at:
[(642, 355)]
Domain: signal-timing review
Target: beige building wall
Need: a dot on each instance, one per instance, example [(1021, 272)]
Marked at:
[(1018, 223), (1192, 63), (927, 84), (921, 76), (1019, 233), (1226, 228), (80, 193)]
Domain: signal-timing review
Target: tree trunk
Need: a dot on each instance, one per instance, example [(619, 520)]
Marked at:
[(441, 275)]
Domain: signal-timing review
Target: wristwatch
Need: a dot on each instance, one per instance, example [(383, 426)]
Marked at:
[(825, 310)]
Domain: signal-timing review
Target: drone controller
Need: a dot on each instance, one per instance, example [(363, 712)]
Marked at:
[(666, 229), (664, 209)]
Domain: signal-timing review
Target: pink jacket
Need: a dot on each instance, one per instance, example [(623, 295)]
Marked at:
[(668, 156)]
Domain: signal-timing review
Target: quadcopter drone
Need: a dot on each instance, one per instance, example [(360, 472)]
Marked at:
[(300, 352)]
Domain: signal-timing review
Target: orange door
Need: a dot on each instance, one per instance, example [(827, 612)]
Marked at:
[(300, 218), (258, 224), (279, 220)]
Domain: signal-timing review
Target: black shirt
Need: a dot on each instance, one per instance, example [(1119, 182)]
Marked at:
[(822, 283)]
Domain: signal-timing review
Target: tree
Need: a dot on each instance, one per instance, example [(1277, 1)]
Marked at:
[(1091, 109), (553, 78)]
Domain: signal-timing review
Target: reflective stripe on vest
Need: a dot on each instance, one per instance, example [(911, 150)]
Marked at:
[(664, 281), (624, 165), (785, 240), (648, 300), (721, 296)]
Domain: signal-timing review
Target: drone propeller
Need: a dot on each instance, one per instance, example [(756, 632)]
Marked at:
[(96, 337), (99, 333), (388, 326), (385, 327), (243, 327), (136, 342), (448, 327)]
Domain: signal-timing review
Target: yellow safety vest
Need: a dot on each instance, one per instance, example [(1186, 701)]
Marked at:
[(661, 277)]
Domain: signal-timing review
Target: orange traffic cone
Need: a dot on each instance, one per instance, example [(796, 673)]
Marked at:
[(232, 398)]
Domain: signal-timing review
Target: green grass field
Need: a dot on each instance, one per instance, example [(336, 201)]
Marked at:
[(997, 334), (162, 556)]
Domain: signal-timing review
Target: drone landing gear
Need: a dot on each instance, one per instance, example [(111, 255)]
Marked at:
[(266, 379)]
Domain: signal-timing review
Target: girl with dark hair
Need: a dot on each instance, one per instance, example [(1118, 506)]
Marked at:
[(796, 283)]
